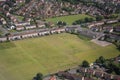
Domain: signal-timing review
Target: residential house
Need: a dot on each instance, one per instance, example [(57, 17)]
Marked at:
[(82, 70), (107, 76), (70, 76), (117, 29), (57, 30), (41, 25), (116, 77), (3, 21), (19, 28), (111, 21), (99, 74), (107, 29), (20, 1), (99, 23), (22, 23), (53, 78), (51, 24), (29, 34), (11, 26), (3, 39), (30, 26), (90, 25), (71, 29), (44, 32), (90, 71), (2, 1), (114, 37), (14, 37)]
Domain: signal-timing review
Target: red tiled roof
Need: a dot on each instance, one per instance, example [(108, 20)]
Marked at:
[(53, 78)]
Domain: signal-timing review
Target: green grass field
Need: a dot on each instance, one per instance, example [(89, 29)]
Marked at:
[(68, 19), (21, 60), (19, 17)]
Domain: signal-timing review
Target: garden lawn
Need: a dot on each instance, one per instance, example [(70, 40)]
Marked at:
[(19, 17), (21, 60), (68, 19)]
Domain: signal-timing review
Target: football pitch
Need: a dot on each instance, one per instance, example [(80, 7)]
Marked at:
[(21, 60)]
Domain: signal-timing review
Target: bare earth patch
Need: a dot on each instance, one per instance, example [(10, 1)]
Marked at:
[(101, 43)]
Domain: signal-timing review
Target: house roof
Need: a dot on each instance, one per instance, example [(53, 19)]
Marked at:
[(52, 78)]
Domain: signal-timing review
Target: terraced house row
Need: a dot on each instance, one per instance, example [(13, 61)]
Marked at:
[(31, 33)]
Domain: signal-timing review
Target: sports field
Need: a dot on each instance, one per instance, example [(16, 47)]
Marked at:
[(68, 19), (21, 60)]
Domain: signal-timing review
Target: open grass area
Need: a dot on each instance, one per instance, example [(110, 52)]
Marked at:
[(0, 32), (19, 17), (116, 14), (113, 25), (21, 60), (68, 19)]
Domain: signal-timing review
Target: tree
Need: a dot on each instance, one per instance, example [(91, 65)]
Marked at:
[(102, 59), (7, 34), (74, 23), (27, 1), (64, 24), (113, 16), (47, 25), (117, 44), (91, 19), (97, 61), (86, 19), (39, 76), (13, 1), (85, 64), (61, 23), (99, 18)]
